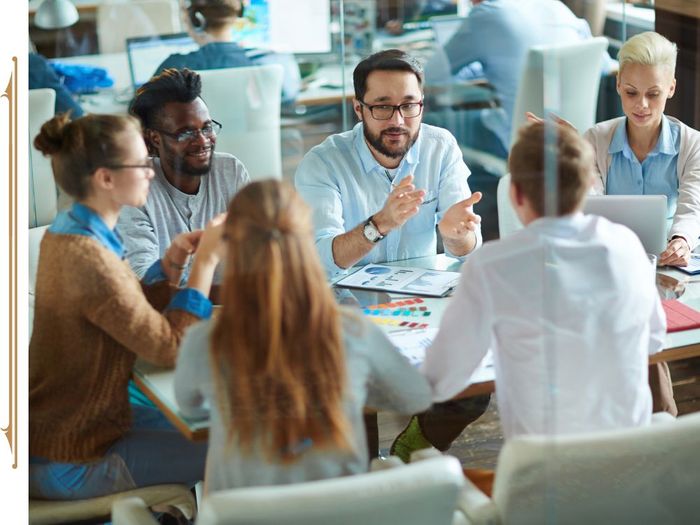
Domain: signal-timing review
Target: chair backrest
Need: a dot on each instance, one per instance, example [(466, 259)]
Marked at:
[(562, 78), (640, 475), (420, 493), (508, 221), (42, 188), (246, 100), (118, 20), (33, 242)]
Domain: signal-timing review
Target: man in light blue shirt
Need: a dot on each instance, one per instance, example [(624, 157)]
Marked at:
[(379, 190), (498, 34)]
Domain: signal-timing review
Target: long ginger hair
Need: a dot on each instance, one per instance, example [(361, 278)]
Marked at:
[(276, 349)]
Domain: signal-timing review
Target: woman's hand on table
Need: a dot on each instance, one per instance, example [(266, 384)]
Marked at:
[(677, 253)]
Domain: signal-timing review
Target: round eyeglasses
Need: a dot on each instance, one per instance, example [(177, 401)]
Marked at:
[(386, 111), (209, 131), (148, 164)]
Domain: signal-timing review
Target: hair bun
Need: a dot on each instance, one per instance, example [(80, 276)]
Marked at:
[(52, 134)]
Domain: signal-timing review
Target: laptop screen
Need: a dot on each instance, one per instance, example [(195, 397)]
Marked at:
[(645, 215), (145, 54)]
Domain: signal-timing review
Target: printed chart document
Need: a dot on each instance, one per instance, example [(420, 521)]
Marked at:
[(402, 279), (413, 344)]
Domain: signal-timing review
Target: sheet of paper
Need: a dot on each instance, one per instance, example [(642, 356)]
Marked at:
[(413, 343), (402, 279)]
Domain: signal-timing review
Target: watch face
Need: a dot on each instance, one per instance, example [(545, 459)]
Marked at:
[(371, 233)]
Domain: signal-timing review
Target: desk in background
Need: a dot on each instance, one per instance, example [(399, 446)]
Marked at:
[(157, 383)]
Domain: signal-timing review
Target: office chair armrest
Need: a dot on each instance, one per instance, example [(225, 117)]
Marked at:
[(378, 464), (425, 453), (132, 511), (477, 507), (661, 417)]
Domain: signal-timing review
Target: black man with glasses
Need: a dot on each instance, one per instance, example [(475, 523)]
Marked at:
[(192, 182), (379, 190)]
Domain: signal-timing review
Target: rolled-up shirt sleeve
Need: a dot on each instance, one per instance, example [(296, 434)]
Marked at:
[(192, 301), (454, 187), (322, 194)]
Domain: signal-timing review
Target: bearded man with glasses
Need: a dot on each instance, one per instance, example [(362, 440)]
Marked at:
[(378, 192), (192, 183)]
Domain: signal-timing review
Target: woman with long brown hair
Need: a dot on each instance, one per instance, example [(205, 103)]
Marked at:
[(286, 370)]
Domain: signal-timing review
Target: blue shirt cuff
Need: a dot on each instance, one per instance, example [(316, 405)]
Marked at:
[(154, 274), (192, 301)]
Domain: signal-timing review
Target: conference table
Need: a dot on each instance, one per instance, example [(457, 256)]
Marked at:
[(157, 383)]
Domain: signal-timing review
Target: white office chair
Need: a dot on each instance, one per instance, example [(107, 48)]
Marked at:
[(42, 189), (158, 497), (641, 475), (34, 242), (417, 494), (118, 20), (246, 100), (508, 221), (562, 78)]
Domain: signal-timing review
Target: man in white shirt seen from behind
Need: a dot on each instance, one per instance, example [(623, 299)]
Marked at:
[(568, 306)]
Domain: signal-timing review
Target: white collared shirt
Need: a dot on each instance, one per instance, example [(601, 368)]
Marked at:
[(569, 307)]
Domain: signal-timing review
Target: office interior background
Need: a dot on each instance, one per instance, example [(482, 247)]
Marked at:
[(116, 45)]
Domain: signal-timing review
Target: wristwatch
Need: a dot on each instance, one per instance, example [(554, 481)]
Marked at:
[(371, 232)]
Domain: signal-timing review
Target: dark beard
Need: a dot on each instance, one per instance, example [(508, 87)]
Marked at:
[(183, 168), (376, 142)]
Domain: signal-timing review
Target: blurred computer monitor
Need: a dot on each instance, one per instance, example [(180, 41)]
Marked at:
[(146, 53), (286, 26)]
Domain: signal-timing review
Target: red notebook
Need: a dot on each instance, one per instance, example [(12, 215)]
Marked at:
[(679, 316)]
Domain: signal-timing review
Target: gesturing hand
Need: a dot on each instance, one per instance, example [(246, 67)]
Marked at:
[(459, 219), (211, 245), (178, 254), (677, 253), (531, 117), (401, 204)]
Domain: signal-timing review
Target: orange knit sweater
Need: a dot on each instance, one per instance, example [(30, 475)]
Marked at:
[(92, 319)]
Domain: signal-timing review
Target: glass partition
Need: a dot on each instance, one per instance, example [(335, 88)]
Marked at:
[(480, 80)]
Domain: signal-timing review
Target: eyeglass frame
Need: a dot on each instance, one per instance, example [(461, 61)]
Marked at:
[(191, 133), (371, 107), (151, 166)]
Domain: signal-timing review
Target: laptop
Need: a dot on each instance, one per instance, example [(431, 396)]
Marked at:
[(444, 27), (146, 53), (645, 215)]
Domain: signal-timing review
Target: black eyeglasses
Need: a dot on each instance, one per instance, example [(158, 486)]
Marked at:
[(386, 111), (209, 131), (147, 165)]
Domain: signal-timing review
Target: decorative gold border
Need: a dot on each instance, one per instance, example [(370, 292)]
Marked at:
[(11, 94)]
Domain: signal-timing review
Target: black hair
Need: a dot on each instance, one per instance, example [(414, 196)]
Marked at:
[(172, 85), (214, 14), (389, 60)]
